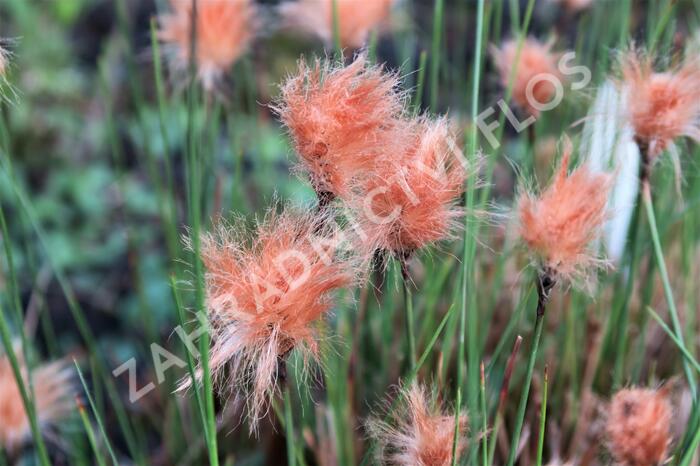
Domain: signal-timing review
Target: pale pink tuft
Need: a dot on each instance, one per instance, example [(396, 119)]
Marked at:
[(413, 199), (662, 106), (341, 120), (536, 60), (423, 434), (266, 296), (357, 19), (639, 427), (559, 225), (53, 399), (224, 29)]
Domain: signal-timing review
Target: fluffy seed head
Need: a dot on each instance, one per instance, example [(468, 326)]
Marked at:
[(423, 434), (266, 295), (340, 120), (559, 224), (639, 427), (53, 398), (663, 106), (412, 200), (536, 60), (356, 18), (224, 29)]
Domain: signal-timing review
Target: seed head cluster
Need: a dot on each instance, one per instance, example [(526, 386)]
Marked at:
[(224, 29), (422, 434), (53, 400), (663, 106), (559, 224), (639, 427)]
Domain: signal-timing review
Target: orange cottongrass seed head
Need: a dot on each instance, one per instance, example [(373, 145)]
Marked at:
[(53, 397), (413, 199), (224, 30), (423, 433), (559, 224), (356, 18), (536, 74), (340, 120), (639, 427), (266, 294), (662, 106)]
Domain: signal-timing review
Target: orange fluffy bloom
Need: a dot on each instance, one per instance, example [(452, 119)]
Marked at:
[(53, 399), (560, 223), (536, 60), (356, 18), (340, 120), (224, 30), (266, 295), (412, 200), (639, 427), (423, 435), (662, 106)]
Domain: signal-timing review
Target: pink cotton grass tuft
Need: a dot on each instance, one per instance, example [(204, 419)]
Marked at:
[(662, 106), (224, 30), (53, 400), (639, 427), (266, 295), (536, 60), (559, 225), (356, 19), (422, 434), (413, 199), (341, 121)]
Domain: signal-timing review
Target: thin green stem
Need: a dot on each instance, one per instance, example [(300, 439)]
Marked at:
[(668, 292), (543, 417), (289, 428), (484, 419), (545, 283), (438, 11), (96, 413), (410, 321)]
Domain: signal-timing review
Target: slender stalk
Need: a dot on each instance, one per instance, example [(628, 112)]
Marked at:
[(438, 10), (289, 428), (689, 357), (96, 413), (545, 283), (468, 253), (89, 432), (336, 31), (418, 96), (510, 365), (28, 403), (408, 307), (668, 292), (484, 419), (543, 417), (194, 192)]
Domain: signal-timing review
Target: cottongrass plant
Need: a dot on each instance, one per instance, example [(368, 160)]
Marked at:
[(663, 106), (521, 67), (342, 121), (638, 427), (224, 30), (421, 432), (267, 293), (559, 226), (52, 400), (356, 19), (412, 200)]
